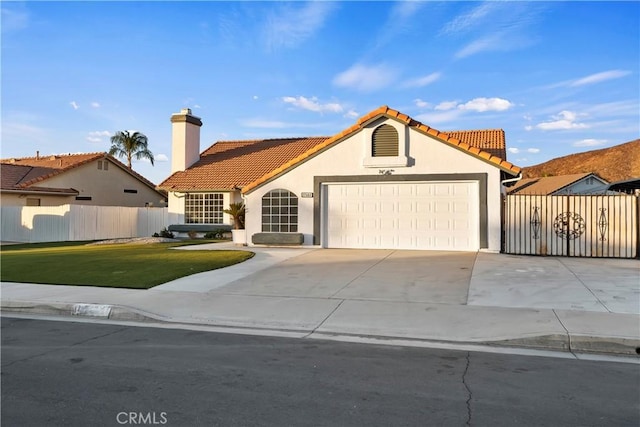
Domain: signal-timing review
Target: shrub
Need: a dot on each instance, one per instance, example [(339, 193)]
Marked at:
[(164, 233), (218, 233), (192, 234)]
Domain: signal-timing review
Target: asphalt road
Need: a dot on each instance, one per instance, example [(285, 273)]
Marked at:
[(80, 374)]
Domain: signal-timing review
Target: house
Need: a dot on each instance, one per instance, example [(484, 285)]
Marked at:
[(582, 183), (388, 181), (87, 179)]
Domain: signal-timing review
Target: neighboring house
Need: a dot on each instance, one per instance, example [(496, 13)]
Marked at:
[(86, 179), (582, 183), (388, 181)]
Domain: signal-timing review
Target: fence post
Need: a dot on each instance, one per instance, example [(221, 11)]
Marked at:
[(637, 200)]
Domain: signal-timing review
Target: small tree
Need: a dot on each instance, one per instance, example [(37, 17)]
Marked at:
[(237, 212), (125, 144)]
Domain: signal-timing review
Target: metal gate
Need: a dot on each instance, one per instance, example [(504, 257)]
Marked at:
[(582, 226)]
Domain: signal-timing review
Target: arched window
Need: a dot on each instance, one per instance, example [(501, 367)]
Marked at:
[(384, 142), (280, 211)]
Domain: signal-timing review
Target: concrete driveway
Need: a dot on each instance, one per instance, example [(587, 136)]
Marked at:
[(383, 275), (433, 277)]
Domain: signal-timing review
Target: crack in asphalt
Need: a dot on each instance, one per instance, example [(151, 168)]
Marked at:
[(63, 348), (469, 394)]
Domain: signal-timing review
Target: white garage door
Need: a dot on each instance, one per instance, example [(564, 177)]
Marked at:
[(403, 215)]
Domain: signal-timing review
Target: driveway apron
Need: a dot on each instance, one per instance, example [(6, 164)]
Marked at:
[(380, 275)]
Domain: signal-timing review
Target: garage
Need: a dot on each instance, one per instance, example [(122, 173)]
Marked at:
[(431, 215)]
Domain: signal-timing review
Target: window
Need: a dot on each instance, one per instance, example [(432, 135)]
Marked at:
[(33, 202), (127, 190), (384, 142), (99, 164), (83, 197), (280, 211), (203, 208)]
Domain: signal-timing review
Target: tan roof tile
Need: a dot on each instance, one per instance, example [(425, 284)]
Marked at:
[(545, 185)]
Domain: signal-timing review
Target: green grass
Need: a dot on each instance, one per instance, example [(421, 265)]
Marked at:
[(137, 266)]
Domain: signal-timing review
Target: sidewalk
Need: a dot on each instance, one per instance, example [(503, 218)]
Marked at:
[(583, 306)]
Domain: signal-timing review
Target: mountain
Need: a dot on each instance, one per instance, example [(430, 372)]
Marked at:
[(615, 163)]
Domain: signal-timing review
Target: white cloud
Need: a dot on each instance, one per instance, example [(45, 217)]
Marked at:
[(422, 81), (589, 142), (468, 20), (420, 103), (479, 105), (533, 150), (366, 78), (97, 136), (161, 158), (528, 127), (312, 104), (95, 105), (513, 150), (446, 105), (74, 105), (600, 77), (486, 104), (487, 43), (562, 121), (255, 97), (351, 114), (435, 118), (290, 25)]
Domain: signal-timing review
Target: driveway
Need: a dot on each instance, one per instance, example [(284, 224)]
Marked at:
[(383, 275), (433, 277)]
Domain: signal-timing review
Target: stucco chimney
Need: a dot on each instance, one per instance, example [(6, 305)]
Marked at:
[(185, 140)]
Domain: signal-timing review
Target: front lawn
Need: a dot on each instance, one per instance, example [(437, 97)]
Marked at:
[(140, 266)]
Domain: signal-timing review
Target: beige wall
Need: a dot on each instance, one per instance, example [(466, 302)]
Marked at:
[(105, 187), (11, 199), (421, 154)]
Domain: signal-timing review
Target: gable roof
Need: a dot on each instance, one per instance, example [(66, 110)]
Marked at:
[(233, 164), (549, 184), (25, 172), (247, 164)]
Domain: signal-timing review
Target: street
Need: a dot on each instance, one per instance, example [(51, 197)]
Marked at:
[(58, 373)]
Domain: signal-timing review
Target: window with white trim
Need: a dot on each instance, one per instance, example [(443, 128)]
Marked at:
[(280, 211), (203, 208)]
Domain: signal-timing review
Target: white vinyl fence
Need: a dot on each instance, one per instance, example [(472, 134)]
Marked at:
[(32, 224), (582, 226)]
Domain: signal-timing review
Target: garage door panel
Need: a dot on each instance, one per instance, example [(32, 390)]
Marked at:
[(426, 215)]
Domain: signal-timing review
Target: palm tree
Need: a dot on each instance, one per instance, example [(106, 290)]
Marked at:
[(124, 144), (237, 212)]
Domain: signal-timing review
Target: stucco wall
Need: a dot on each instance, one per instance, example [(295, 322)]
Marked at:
[(7, 199), (425, 156), (105, 187)]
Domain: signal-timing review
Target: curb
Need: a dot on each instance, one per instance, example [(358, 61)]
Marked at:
[(587, 344)]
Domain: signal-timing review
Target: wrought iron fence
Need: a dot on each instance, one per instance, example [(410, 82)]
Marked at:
[(572, 225)]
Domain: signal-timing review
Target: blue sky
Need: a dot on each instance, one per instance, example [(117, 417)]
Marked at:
[(558, 77)]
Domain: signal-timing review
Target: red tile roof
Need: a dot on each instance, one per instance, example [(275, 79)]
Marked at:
[(247, 164), (491, 141), (385, 111), (24, 172), (230, 164)]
